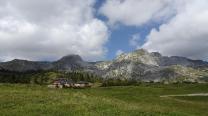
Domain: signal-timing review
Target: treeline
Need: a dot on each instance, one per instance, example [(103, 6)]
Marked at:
[(82, 76), (119, 82), (45, 77)]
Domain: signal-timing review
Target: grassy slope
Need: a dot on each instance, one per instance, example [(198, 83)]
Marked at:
[(131, 100)]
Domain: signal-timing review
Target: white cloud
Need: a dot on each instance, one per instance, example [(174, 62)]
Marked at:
[(137, 12), (185, 35), (119, 52), (50, 29), (184, 30)]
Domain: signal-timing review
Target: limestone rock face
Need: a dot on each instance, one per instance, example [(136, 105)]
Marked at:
[(144, 66), (140, 56), (103, 65)]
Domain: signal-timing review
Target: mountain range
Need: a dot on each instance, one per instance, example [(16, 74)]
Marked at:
[(139, 65)]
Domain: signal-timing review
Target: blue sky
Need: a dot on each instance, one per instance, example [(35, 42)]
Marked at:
[(120, 35), (119, 38)]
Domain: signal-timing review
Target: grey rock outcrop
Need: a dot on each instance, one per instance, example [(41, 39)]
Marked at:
[(144, 66)]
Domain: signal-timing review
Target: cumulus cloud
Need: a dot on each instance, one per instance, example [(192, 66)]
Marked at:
[(185, 35), (119, 52), (137, 12), (183, 31), (49, 29)]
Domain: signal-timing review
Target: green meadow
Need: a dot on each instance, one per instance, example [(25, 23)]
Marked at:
[(141, 100)]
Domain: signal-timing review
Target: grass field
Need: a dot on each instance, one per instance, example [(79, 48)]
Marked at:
[(143, 100)]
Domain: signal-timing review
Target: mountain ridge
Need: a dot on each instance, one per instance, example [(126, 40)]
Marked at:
[(139, 65)]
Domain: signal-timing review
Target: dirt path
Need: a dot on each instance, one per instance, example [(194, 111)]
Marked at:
[(195, 94)]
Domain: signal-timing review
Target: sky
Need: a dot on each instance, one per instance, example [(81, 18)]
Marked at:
[(102, 29)]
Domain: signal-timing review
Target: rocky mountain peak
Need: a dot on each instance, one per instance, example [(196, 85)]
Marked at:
[(71, 62), (141, 51), (156, 54), (71, 58), (139, 56)]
